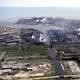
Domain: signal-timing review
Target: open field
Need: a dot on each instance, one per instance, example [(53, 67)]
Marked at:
[(27, 50)]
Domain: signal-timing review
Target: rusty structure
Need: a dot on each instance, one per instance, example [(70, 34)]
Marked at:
[(67, 51)]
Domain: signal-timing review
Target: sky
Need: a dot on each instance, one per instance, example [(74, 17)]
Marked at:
[(41, 3)]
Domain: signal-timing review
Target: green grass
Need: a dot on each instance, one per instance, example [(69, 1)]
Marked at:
[(27, 50)]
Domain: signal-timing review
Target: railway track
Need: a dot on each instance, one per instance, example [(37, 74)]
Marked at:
[(44, 78)]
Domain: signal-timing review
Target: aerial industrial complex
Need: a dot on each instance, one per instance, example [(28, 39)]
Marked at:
[(39, 53)]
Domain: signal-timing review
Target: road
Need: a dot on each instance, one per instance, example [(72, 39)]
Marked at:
[(2, 55), (56, 62), (52, 53)]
